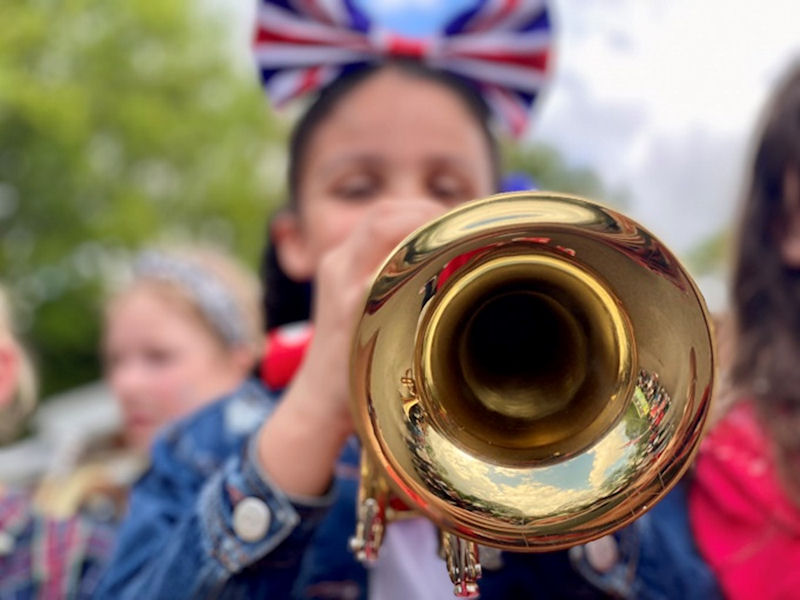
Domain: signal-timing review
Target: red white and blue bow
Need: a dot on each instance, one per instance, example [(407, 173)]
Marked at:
[(501, 46)]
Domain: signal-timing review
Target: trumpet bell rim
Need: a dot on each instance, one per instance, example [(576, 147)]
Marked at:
[(495, 491)]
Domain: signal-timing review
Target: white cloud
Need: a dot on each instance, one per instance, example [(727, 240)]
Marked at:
[(661, 98)]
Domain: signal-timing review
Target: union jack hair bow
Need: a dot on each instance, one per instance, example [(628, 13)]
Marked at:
[(503, 47)]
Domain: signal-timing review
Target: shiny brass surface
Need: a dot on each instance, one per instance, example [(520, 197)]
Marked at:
[(531, 371)]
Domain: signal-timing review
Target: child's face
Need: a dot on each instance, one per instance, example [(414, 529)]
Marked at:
[(161, 362), (395, 137)]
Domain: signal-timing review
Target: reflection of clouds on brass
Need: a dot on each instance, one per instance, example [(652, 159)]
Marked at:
[(515, 491), (508, 493), (609, 454)]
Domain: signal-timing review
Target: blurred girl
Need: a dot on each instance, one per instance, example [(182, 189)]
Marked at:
[(745, 504), (184, 330), (264, 508)]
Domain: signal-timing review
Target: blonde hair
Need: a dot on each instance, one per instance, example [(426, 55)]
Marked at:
[(24, 401), (222, 294)]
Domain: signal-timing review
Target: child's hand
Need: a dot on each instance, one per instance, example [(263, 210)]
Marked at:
[(300, 444)]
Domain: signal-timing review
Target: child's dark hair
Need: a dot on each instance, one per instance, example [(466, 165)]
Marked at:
[(766, 291), (285, 300)]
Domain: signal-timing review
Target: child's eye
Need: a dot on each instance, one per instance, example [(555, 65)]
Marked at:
[(449, 188), (159, 357), (357, 187)]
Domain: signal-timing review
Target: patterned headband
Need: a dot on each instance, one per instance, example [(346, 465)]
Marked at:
[(204, 289), (501, 46)]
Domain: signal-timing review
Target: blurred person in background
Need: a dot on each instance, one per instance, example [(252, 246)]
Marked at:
[(182, 331), (40, 557), (17, 380), (745, 501)]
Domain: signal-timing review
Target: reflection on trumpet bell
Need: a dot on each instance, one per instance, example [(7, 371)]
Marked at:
[(521, 355), (531, 372)]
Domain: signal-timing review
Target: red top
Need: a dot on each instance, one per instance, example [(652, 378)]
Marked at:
[(746, 527), (286, 347)]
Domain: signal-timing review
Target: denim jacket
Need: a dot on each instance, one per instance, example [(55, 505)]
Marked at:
[(180, 538)]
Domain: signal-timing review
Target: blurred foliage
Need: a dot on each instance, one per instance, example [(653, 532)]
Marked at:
[(711, 255), (126, 122), (551, 172), (120, 122)]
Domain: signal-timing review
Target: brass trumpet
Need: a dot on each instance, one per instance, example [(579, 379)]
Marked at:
[(531, 371)]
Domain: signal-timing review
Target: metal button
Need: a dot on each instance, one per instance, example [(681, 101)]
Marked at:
[(251, 518), (603, 554), (7, 543)]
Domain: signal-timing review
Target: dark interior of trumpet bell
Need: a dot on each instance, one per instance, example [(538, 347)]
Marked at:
[(523, 355), (527, 367)]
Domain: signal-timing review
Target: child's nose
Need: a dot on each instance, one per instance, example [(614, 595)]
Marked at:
[(128, 378), (408, 188)]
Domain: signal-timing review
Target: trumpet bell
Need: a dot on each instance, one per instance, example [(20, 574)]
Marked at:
[(531, 371)]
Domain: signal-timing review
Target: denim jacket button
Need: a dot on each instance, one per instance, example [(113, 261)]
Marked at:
[(7, 544), (251, 518), (602, 554)]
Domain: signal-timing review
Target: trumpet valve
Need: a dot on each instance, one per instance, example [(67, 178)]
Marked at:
[(370, 526), (463, 564)]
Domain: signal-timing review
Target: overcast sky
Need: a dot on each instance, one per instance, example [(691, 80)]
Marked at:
[(658, 97), (661, 98)]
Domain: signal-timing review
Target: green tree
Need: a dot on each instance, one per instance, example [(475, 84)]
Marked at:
[(120, 122), (712, 254)]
